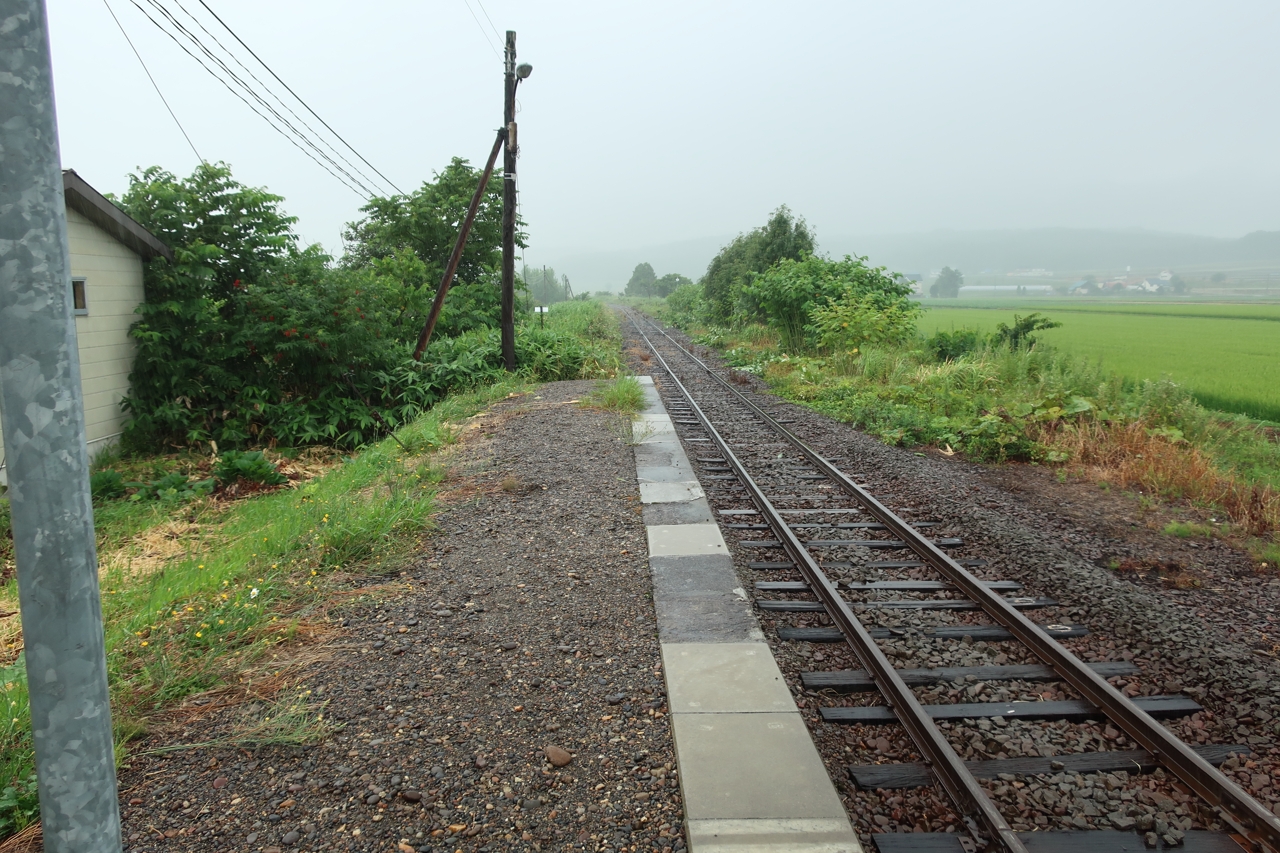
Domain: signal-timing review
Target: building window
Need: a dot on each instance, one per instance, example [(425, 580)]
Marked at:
[(79, 301)]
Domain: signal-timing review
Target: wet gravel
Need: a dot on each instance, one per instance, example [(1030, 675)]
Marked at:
[(504, 693), (1212, 642)]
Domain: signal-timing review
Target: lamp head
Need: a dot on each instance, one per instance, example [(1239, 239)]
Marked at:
[(523, 70)]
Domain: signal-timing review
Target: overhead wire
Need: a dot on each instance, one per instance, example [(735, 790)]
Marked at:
[(348, 183), (154, 85), (296, 95), (490, 20), (481, 26), (362, 184), (365, 178)]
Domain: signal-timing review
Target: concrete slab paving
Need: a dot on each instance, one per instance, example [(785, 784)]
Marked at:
[(665, 493), (814, 835), (718, 618), (677, 540), (718, 678), (665, 474), (751, 766), (685, 512)]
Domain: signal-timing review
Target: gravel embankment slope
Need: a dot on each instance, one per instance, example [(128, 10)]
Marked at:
[(524, 633)]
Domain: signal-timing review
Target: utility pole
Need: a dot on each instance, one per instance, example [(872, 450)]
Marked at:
[(48, 463), (509, 207)]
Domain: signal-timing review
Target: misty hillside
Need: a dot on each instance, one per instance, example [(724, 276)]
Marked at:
[(1058, 249), (1067, 249)]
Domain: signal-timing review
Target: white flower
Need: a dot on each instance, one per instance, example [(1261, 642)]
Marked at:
[(253, 593)]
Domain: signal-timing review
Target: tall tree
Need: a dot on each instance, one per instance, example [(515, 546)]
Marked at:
[(667, 285), (784, 236), (947, 285), (642, 281), (426, 221)]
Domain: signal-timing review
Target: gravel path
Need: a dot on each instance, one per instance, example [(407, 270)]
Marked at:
[(505, 693), (1213, 642)]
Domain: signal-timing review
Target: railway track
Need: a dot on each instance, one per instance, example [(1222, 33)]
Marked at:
[(822, 538)]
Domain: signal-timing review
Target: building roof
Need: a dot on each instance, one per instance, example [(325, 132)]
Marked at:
[(99, 210)]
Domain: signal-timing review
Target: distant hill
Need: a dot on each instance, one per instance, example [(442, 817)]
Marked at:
[(1057, 249), (1068, 249)]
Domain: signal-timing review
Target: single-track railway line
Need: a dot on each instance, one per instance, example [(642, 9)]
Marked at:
[(815, 514)]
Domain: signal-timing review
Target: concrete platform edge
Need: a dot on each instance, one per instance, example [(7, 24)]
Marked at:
[(751, 778)]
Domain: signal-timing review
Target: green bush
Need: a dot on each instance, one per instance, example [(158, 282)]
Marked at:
[(246, 337), (853, 321), (949, 346), (19, 805), (106, 484), (785, 296), (172, 488), (251, 466)]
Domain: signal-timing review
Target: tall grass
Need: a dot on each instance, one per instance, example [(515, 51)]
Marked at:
[(1038, 404)]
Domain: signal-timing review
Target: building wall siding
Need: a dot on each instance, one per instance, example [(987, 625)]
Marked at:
[(113, 289)]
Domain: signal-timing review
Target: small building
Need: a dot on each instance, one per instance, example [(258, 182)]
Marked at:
[(108, 251), (1006, 290)]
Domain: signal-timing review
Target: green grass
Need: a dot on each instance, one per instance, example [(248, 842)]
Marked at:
[(265, 566), (1226, 355), (622, 395), (1189, 530)]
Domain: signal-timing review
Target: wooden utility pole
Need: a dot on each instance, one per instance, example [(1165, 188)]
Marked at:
[(509, 208), (458, 246)]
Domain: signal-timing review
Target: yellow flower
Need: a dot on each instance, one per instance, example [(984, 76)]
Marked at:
[(199, 635), (144, 642)]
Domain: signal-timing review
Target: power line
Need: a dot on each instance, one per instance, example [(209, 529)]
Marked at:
[(349, 181), (481, 26), (490, 20), (362, 181), (154, 85), (296, 95), (281, 102)]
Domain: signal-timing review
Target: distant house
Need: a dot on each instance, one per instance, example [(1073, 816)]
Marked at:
[(108, 251)]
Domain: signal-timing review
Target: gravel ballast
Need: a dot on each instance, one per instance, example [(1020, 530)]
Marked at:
[(503, 693)]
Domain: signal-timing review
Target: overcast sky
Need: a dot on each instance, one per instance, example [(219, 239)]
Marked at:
[(656, 122)]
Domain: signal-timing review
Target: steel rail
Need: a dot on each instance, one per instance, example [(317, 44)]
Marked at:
[(1249, 817), (961, 786)]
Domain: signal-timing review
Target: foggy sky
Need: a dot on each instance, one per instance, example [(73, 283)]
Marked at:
[(661, 122)]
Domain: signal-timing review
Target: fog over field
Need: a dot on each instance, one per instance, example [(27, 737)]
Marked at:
[(678, 125)]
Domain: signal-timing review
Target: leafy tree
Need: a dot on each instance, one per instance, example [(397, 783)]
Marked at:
[(685, 303), (642, 281), (543, 285), (1018, 336), (857, 321), (947, 285), (783, 237), (788, 293), (669, 283), (427, 221), (1218, 277), (239, 233)]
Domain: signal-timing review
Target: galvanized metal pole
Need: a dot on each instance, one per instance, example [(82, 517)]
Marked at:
[(48, 464)]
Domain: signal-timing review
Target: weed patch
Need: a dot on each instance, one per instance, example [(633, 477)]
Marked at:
[(622, 395)]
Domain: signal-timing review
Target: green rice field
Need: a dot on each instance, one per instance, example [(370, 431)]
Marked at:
[(1227, 354)]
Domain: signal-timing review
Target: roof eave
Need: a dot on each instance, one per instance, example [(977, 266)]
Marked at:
[(99, 210)]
